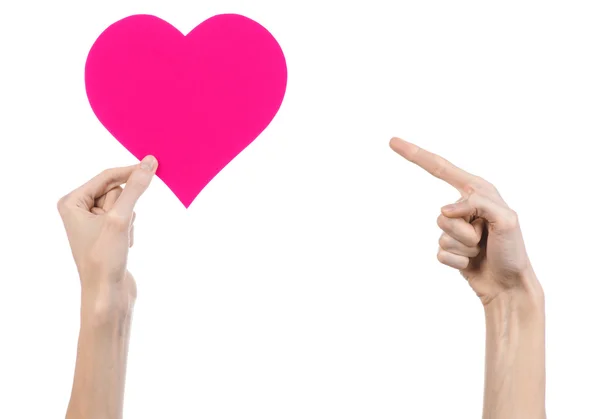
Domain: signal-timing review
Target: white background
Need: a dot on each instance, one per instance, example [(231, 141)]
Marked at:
[(303, 281)]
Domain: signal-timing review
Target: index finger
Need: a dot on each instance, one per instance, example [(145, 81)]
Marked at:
[(432, 163), (87, 193)]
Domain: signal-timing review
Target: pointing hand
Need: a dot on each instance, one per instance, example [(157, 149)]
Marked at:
[(481, 233)]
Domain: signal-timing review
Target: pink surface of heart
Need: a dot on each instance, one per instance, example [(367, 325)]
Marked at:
[(195, 101)]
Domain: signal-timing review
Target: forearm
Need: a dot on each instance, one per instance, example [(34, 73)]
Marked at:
[(515, 375), (99, 381)]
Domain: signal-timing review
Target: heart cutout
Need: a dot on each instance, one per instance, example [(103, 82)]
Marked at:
[(193, 101)]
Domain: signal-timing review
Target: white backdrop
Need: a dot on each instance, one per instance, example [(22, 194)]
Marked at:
[(303, 281)]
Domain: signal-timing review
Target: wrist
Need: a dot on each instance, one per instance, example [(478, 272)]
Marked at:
[(514, 317), (515, 353), (519, 304), (106, 302), (524, 300)]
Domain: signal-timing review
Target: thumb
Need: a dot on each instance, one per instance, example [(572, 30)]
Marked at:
[(476, 205), (136, 185), (479, 225)]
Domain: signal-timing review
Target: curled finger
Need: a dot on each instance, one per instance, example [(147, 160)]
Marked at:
[(459, 229), (450, 244), (452, 260)]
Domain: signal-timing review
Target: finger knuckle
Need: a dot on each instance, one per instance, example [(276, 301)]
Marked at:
[(414, 156), (444, 241), (441, 256), (60, 204), (441, 221), (510, 220), (63, 203), (481, 184), (476, 184)]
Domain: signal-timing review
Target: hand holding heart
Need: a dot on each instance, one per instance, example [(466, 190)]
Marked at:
[(482, 237), (98, 218)]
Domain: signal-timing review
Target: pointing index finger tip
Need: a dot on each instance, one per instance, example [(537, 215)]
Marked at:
[(402, 147)]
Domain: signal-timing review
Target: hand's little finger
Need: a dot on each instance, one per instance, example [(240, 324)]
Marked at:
[(452, 260)]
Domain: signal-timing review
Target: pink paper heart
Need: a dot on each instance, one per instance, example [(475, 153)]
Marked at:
[(194, 102)]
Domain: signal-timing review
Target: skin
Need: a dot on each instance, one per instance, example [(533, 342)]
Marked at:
[(98, 219), (483, 240)]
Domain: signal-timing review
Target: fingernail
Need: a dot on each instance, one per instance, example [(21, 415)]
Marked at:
[(449, 208), (148, 163)]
